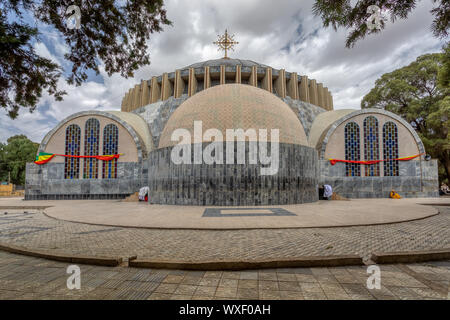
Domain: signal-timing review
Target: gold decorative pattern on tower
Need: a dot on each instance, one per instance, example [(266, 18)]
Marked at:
[(225, 42)]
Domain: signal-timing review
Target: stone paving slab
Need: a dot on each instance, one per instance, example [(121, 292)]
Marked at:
[(37, 231), (27, 278), (318, 214)]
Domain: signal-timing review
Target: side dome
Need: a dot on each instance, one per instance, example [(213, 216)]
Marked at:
[(236, 106)]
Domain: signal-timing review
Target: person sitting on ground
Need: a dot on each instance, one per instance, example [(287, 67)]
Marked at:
[(444, 189), (394, 195), (327, 192)]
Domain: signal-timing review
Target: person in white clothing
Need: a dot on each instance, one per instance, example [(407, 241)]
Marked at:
[(327, 192)]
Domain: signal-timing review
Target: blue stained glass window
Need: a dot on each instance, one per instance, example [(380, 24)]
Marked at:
[(371, 146), (352, 149), (91, 142), (72, 165), (390, 149), (110, 147)]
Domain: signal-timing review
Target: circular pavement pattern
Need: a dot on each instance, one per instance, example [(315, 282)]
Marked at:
[(307, 215), (34, 230)]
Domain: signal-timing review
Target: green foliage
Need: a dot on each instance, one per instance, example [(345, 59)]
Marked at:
[(13, 158), (112, 33), (353, 15), (419, 93), (444, 72)]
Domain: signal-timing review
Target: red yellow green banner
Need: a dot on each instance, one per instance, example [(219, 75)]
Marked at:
[(368, 162), (44, 157)]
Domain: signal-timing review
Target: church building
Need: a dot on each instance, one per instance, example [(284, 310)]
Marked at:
[(317, 144)]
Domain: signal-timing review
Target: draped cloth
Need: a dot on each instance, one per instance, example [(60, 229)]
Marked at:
[(368, 162), (43, 157)]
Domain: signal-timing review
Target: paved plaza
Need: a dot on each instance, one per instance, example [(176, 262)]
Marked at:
[(24, 277), (307, 215), (34, 230)]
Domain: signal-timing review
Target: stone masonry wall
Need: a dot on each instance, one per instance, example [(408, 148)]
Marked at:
[(305, 111), (416, 179), (46, 182), (234, 184), (157, 114)]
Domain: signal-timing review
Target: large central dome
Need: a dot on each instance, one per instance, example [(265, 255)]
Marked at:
[(236, 106)]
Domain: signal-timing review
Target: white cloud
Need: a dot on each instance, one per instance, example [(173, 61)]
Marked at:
[(284, 34), (42, 50)]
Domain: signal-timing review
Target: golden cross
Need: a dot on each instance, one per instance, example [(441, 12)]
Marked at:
[(225, 42)]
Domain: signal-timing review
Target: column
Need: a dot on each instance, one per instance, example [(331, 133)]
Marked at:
[(166, 87), (137, 97), (330, 97), (267, 80), (292, 87), (280, 83), (130, 99), (207, 80), (253, 81), (179, 85), (313, 92), (222, 75), (155, 90), (145, 96), (304, 89), (192, 84), (238, 74), (123, 107), (320, 96)]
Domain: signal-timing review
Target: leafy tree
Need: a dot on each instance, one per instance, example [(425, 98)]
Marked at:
[(13, 158), (444, 72), (341, 13), (3, 168), (112, 32), (414, 93)]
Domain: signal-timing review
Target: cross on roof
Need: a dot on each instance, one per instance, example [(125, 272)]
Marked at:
[(225, 42)]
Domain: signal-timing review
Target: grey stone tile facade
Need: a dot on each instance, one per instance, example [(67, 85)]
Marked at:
[(46, 182), (157, 114), (416, 179), (305, 111), (234, 184)]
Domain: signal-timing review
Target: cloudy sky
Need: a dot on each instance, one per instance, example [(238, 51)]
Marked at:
[(282, 34)]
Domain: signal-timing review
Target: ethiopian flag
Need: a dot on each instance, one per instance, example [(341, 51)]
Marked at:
[(44, 157), (369, 162)]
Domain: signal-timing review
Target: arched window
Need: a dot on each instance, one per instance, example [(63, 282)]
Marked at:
[(110, 147), (72, 165), (91, 141), (371, 146), (390, 149), (352, 150)]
